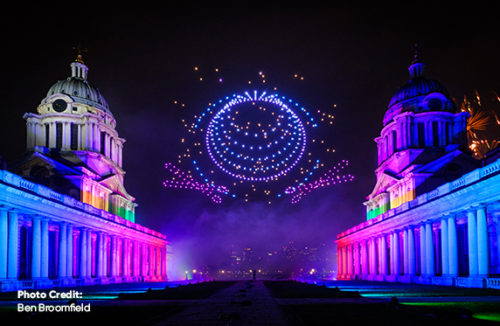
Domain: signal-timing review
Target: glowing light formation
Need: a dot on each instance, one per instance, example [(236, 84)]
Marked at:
[(330, 178), (256, 151), (181, 180), (261, 146)]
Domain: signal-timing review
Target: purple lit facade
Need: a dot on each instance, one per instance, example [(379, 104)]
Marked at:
[(65, 216), (434, 214)]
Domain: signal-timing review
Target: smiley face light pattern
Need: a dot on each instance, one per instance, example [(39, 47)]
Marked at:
[(254, 145)]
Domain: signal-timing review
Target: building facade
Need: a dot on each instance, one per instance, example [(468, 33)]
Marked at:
[(65, 216), (433, 216)]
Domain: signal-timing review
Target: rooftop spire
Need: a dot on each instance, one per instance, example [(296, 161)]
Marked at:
[(78, 67), (80, 50), (416, 68), (416, 58)]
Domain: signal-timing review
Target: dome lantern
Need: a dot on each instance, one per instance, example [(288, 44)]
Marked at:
[(416, 68)]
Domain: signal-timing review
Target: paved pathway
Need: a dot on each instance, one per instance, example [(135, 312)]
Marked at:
[(244, 303)]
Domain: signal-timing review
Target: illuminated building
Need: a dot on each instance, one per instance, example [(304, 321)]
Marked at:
[(65, 216), (433, 215)]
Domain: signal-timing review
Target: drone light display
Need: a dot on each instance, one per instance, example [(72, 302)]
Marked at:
[(255, 145)]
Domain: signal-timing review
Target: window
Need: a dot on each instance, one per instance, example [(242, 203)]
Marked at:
[(448, 134), (74, 136), (103, 142), (421, 134), (59, 132), (394, 141), (435, 134), (47, 135), (110, 148)]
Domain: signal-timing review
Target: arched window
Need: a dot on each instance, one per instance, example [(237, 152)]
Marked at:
[(421, 134), (435, 134), (448, 134), (394, 141)]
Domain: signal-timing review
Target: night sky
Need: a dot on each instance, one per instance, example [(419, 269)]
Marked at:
[(142, 59)]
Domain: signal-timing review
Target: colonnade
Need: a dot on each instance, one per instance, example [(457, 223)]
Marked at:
[(82, 255), (427, 249)]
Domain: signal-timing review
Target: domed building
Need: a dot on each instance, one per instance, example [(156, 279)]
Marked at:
[(65, 215), (433, 215)]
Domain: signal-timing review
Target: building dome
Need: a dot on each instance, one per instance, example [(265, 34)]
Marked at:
[(78, 88), (420, 94), (417, 87)]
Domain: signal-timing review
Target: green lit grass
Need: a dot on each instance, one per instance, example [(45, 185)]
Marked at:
[(480, 310)]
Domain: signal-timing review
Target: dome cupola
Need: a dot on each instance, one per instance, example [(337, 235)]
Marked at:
[(420, 94), (78, 88)]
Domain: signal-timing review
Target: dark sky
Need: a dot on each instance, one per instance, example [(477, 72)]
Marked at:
[(141, 57)]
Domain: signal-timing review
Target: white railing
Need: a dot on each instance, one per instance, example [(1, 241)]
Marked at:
[(493, 283)]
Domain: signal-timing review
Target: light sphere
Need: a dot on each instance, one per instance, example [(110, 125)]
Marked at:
[(256, 137)]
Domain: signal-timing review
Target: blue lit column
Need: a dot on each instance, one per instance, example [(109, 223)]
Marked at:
[(83, 254), (397, 267), (4, 227), (44, 267), (482, 242), (429, 249), (100, 255), (452, 246), (69, 257), (383, 249), (445, 260), (411, 252), (36, 243), (89, 253), (62, 250), (472, 240), (405, 252), (114, 254), (13, 243), (423, 266)]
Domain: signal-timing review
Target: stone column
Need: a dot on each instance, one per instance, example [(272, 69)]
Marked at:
[(364, 258), (445, 259), (89, 253), (344, 261), (411, 251), (373, 254), (397, 267), (472, 240), (44, 266), (383, 249), (62, 250), (36, 243), (482, 242), (405, 252), (83, 253), (159, 262), (339, 266), (357, 263), (152, 261), (13, 243), (4, 228), (429, 249), (423, 266), (349, 259), (452, 246), (127, 251), (69, 271), (100, 255), (112, 252)]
